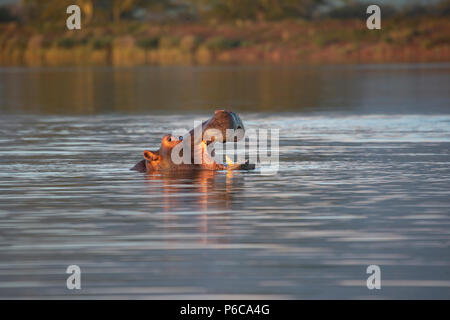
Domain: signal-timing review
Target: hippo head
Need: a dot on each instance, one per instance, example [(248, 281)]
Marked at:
[(223, 126)]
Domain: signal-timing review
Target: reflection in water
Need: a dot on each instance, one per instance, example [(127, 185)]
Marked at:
[(199, 187), (196, 192), (368, 88)]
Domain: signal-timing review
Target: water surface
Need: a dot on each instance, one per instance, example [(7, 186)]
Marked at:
[(364, 179)]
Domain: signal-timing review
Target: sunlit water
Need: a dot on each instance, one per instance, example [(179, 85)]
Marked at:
[(354, 188)]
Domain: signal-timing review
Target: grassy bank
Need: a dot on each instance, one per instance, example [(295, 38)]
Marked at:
[(284, 42)]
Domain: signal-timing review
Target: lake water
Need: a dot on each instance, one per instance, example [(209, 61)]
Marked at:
[(364, 179)]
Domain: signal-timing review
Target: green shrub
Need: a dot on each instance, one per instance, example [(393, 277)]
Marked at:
[(432, 42), (328, 38), (101, 43), (220, 43), (66, 43), (148, 43), (168, 42), (246, 43)]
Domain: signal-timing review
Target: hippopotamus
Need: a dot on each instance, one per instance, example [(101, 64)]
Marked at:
[(197, 140)]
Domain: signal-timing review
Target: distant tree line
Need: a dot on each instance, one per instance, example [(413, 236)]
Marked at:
[(103, 11), (350, 9)]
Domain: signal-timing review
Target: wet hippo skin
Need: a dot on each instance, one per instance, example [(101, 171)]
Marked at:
[(161, 160)]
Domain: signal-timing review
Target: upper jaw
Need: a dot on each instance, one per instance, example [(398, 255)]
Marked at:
[(228, 123), (221, 121)]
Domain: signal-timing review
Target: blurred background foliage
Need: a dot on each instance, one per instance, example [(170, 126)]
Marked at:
[(160, 10), (207, 10), (127, 32)]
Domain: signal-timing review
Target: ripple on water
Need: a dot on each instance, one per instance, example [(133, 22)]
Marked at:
[(350, 191)]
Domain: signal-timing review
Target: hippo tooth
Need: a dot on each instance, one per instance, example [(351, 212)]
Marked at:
[(229, 161)]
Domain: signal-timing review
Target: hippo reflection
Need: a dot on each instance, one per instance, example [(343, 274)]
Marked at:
[(198, 193)]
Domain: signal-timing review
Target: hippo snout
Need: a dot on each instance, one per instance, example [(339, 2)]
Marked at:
[(228, 123)]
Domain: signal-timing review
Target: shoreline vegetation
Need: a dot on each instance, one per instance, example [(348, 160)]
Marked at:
[(205, 32), (279, 42)]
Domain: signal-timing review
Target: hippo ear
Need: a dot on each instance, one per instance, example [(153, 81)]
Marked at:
[(151, 156)]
